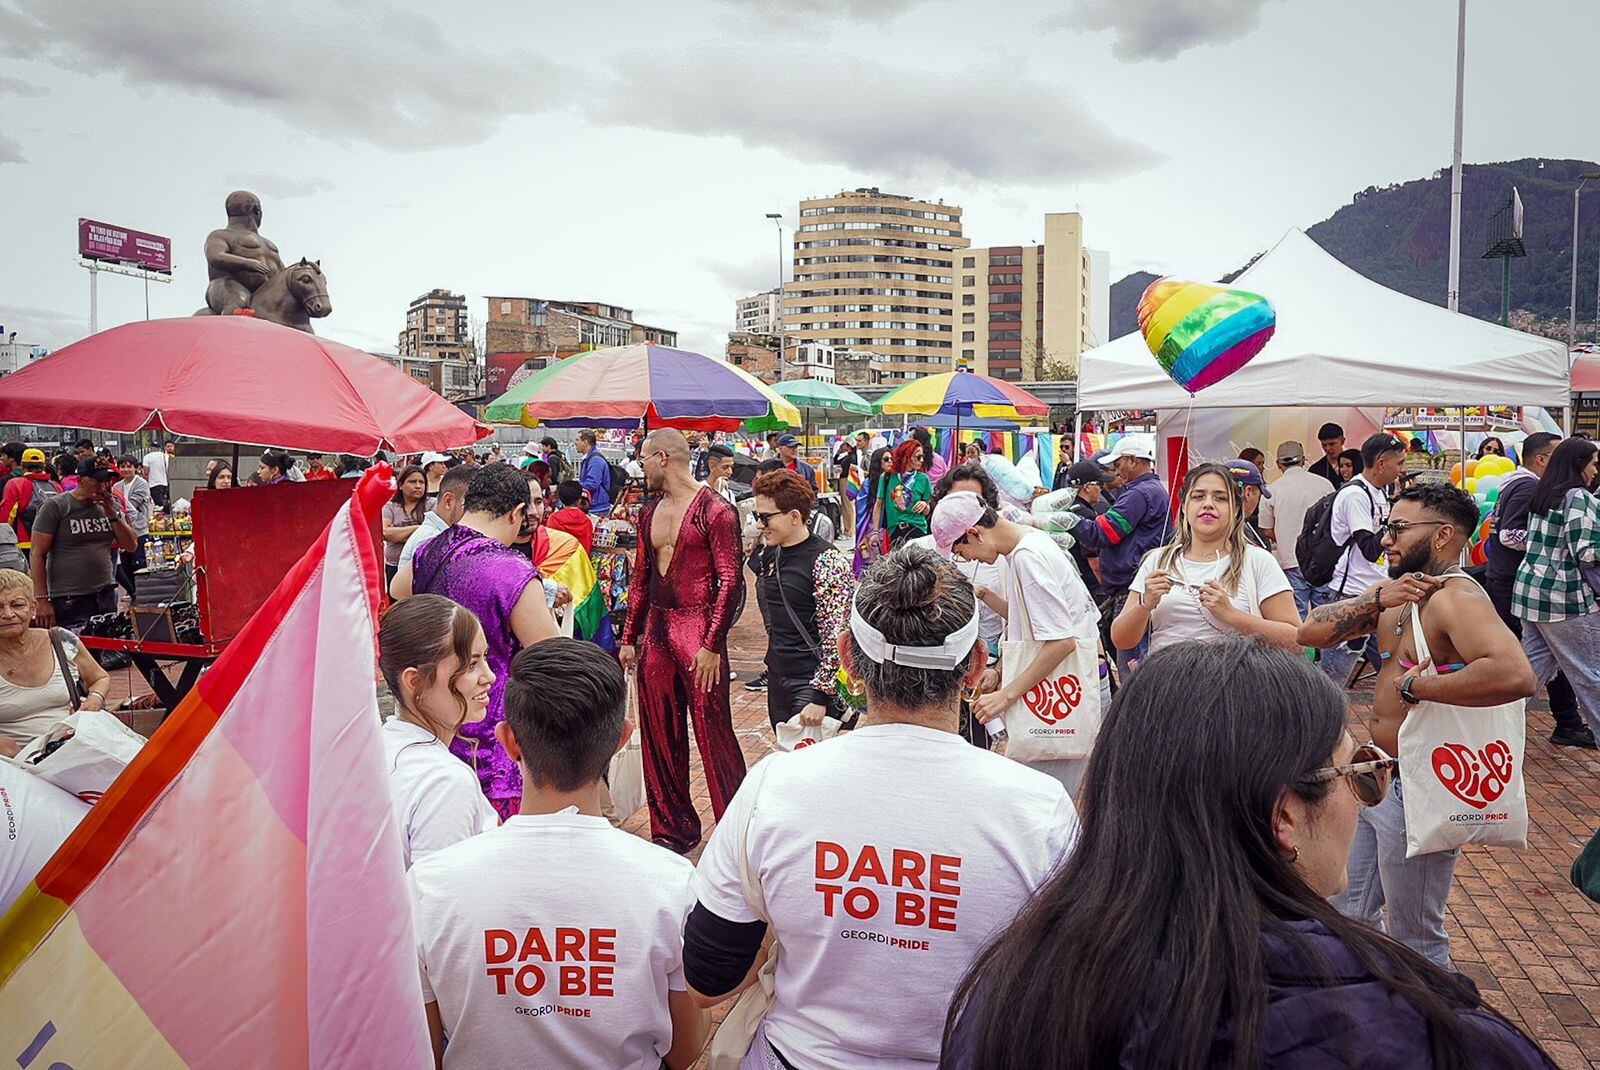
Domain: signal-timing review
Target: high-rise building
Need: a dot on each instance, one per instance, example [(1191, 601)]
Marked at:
[(756, 314), (436, 327), (533, 331), (873, 273), (1029, 312)]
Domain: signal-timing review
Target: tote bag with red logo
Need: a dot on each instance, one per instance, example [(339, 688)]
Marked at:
[(1060, 716), (1461, 771)]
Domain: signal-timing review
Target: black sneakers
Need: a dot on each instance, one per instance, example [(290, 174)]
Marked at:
[(758, 682), (1580, 736)]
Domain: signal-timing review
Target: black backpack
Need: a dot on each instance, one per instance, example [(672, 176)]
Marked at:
[(1315, 551), (43, 491)]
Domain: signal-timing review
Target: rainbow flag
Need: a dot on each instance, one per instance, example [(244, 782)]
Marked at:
[(238, 897), (590, 621), (852, 481)]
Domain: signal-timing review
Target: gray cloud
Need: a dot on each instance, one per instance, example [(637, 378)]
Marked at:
[(16, 87), (357, 72), (1001, 124), (819, 12), (11, 150), (1160, 29), (48, 327), (280, 187)]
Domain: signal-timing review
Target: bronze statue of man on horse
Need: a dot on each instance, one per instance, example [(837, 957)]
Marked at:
[(247, 273)]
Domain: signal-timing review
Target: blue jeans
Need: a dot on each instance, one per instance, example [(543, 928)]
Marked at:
[(1572, 646), (1337, 661), (1302, 591), (1383, 881)]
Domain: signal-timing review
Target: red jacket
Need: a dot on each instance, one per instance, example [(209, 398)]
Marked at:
[(18, 494), (574, 522)]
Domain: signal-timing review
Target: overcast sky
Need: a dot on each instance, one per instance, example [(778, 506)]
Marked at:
[(628, 151)]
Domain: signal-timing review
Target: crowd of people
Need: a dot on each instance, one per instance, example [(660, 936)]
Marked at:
[(1216, 874)]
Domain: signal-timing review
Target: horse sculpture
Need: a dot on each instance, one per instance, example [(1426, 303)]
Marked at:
[(293, 297)]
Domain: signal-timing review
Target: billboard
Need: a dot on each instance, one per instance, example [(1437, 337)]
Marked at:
[(102, 241)]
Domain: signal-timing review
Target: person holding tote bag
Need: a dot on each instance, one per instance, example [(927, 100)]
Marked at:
[(1052, 684), (1463, 658), (872, 910)]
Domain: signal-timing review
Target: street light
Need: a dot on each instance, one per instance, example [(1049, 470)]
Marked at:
[(777, 218), (1572, 303)]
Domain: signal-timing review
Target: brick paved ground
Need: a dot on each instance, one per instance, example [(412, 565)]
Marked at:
[(1517, 927)]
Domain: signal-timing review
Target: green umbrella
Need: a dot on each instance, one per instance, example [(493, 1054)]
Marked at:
[(813, 394)]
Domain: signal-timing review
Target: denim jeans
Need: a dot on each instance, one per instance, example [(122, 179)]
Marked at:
[(1302, 591), (1411, 892), (1573, 646)]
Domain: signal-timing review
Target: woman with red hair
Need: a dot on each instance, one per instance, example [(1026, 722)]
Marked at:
[(904, 495)]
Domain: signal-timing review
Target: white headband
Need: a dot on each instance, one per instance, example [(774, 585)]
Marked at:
[(953, 652)]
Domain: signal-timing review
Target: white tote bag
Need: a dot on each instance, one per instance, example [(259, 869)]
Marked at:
[(1461, 771), (626, 777), (1059, 717), (792, 735), (98, 748)]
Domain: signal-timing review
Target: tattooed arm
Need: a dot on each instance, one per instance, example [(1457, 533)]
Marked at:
[(1337, 622)]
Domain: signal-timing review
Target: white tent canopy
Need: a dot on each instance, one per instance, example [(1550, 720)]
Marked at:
[(1343, 340)]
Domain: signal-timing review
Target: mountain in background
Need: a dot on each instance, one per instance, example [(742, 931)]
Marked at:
[(1399, 236)]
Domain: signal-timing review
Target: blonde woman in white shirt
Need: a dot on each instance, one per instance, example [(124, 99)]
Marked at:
[(1208, 583), (433, 655)]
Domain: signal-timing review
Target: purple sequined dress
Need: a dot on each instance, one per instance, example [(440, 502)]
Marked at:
[(487, 577)]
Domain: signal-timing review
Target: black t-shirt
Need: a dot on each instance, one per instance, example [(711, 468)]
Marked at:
[(1510, 514), (1080, 553), (794, 568), (842, 462), (1328, 470)]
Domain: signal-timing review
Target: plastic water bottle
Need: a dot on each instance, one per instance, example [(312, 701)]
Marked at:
[(997, 731)]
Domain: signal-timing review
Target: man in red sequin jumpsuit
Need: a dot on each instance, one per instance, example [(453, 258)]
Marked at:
[(685, 585)]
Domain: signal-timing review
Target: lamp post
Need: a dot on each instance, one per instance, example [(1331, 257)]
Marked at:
[(777, 218), (1452, 297), (1572, 302)]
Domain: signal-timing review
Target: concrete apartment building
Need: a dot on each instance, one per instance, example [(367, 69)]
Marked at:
[(436, 327), (456, 380), (873, 272), (756, 314), (1028, 312), (758, 355), (534, 330)]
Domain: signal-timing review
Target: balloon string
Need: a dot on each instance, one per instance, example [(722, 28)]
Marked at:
[(1188, 422)]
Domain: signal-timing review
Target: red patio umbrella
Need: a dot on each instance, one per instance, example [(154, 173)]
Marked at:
[(235, 379)]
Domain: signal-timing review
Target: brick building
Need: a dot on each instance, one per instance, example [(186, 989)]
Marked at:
[(531, 331)]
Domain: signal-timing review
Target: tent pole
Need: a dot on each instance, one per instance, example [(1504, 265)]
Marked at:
[(1077, 431), (1463, 445)]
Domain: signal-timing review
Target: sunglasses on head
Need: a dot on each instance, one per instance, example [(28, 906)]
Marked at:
[(1368, 773)]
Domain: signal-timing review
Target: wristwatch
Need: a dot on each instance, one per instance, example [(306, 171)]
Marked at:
[(1406, 695)]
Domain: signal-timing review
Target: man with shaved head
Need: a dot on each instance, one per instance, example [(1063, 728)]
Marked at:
[(686, 577)]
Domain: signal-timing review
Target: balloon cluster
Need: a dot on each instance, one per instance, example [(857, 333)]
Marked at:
[(1482, 479)]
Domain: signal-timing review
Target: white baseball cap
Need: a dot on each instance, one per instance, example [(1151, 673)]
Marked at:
[(1142, 447), (434, 458)]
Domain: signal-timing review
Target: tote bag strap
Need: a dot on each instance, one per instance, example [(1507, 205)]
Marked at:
[(1014, 582), (74, 699)]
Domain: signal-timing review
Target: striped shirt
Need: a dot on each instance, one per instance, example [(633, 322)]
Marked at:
[(1561, 543)]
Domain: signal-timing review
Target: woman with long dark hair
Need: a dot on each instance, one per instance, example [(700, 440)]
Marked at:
[(1208, 583), (220, 477), (402, 515), (905, 494), (1190, 927), (869, 524), (1350, 465), (1554, 593), (1491, 447), (434, 657)]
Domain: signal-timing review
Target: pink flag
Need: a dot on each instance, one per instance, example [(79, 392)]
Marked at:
[(238, 899)]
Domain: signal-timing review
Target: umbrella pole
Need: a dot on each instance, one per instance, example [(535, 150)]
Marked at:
[(235, 462)]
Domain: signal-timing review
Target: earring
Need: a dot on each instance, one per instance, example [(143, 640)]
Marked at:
[(1294, 857)]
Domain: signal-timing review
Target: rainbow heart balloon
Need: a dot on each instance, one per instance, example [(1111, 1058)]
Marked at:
[(1200, 333)]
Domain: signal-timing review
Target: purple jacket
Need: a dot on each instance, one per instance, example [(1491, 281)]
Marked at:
[(1135, 524), (1324, 1010)]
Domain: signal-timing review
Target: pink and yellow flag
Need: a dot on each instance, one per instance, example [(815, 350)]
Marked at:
[(237, 898)]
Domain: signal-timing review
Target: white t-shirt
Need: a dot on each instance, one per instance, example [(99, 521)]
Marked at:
[(1045, 580), (1293, 493), (437, 800), (881, 905), (552, 941), (156, 462), (38, 817), (1355, 511), (431, 525), (1180, 616), (979, 575)]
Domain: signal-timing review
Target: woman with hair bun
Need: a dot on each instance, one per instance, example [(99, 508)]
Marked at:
[(434, 657), (884, 859)]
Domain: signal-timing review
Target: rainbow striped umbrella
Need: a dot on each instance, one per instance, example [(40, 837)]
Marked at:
[(657, 385), (963, 394)]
